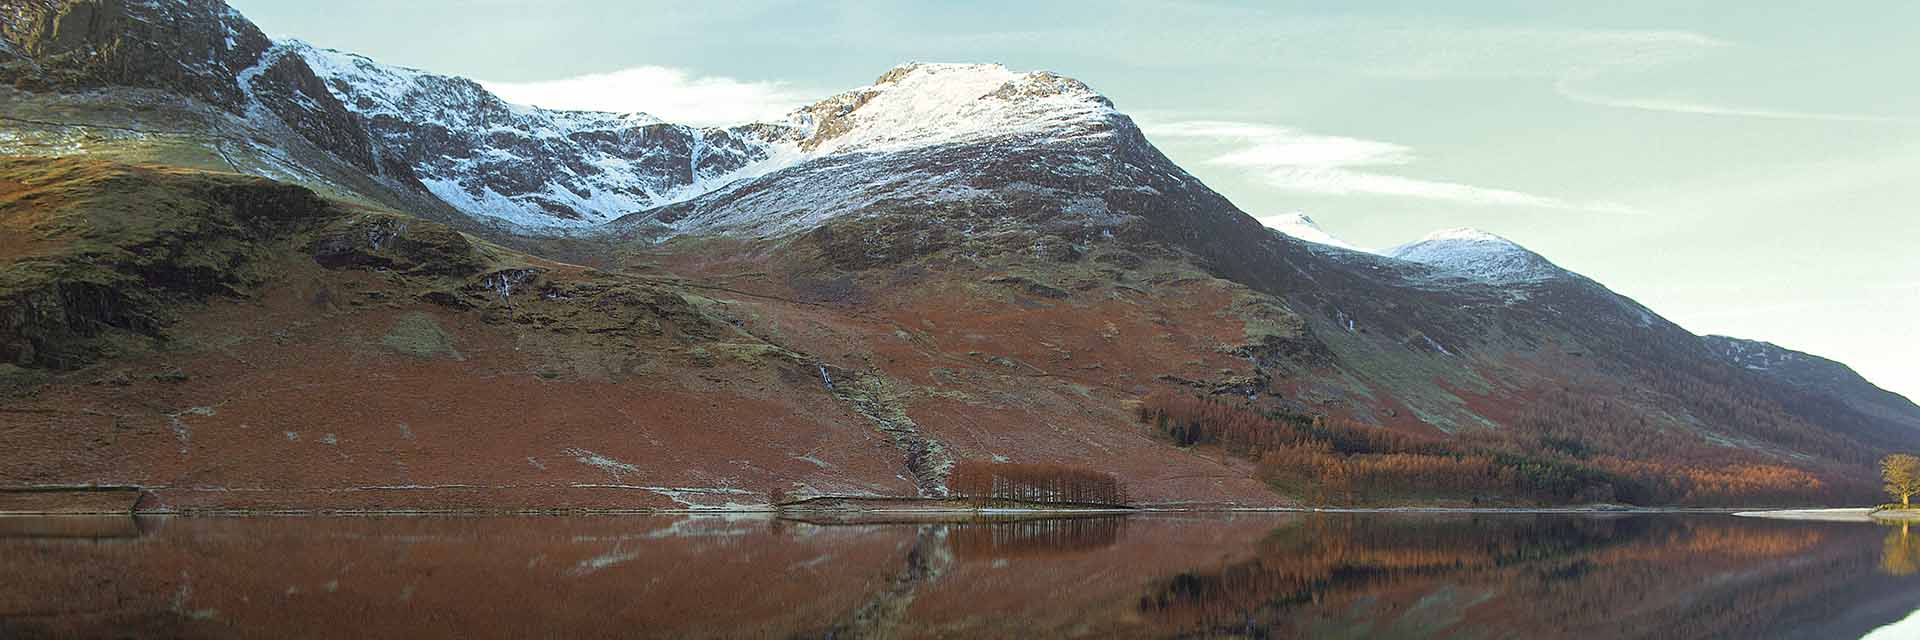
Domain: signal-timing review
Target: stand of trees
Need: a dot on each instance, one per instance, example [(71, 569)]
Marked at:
[(1566, 452), (984, 482)]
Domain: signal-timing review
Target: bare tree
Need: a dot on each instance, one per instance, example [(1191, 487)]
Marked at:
[(1902, 473)]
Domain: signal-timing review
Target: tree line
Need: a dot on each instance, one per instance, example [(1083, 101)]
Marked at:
[(1565, 453), (984, 482)]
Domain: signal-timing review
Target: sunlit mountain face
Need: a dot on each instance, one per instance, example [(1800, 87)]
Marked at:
[(252, 273)]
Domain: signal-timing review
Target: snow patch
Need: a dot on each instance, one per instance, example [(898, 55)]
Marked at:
[(613, 467), (602, 561)]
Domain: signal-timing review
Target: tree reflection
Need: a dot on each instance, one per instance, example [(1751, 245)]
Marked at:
[(1001, 539), (1900, 553), (1423, 576)]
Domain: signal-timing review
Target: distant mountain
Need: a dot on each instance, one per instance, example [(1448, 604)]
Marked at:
[(429, 296), (1300, 226), (1480, 255)]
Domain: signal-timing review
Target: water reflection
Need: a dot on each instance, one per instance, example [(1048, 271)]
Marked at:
[(1005, 537), (93, 527), (1900, 554), (1530, 575), (1268, 576)]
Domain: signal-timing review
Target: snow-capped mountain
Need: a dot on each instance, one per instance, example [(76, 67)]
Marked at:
[(972, 139), (1302, 227), (991, 149), (919, 105), (540, 168), (532, 167), (966, 213), (1479, 255)]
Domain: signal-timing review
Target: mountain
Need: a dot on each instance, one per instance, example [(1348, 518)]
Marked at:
[(1817, 376), (528, 166), (1479, 255), (1300, 226), (256, 273)]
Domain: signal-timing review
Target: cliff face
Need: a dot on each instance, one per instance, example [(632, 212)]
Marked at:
[(193, 48)]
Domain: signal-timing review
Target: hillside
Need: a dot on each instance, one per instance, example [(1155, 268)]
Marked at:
[(246, 273)]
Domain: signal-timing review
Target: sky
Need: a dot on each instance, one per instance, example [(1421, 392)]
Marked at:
[(1743, 168)]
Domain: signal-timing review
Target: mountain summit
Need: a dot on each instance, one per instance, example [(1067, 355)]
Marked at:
[(919, 105), (1300, 226), (1479, 255)]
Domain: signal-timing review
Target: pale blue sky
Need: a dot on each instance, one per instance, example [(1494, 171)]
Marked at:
[(1741, 168)]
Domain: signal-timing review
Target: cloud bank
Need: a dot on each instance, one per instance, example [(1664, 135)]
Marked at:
[(674, 95)]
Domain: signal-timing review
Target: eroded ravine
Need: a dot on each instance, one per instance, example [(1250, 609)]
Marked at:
[(878, 400)]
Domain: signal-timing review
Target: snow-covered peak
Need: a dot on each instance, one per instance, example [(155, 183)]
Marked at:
[(544, 168), (919, 104), (374, 89), (378, 88), (1467, 234), (1302, 227), (539, 168), (1479, 255), (532, 167)]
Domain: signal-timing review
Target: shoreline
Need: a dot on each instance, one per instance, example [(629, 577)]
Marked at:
[(1841, 514), (906, 511), (118, 501)]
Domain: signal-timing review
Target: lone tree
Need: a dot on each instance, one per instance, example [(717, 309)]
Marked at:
[(1902, 473)]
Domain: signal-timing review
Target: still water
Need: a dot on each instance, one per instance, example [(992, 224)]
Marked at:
[(1260, 575)]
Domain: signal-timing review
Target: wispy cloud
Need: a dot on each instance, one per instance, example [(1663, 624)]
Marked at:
[(1221, 35), (1568, 87), (1295, 160), (1466, 51), (1218, 36), (674, 95)]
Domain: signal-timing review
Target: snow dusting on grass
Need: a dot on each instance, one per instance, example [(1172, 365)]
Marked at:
[(613, 467)]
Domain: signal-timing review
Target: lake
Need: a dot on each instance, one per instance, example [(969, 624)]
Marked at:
[(1262, 575)]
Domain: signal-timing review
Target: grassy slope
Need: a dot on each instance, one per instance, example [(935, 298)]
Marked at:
[(231, 342)]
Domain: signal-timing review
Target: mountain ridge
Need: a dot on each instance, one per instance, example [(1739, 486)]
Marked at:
[(652, 163), (968, 262)]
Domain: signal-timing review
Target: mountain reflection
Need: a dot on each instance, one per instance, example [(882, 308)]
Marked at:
[(1541, 576), (1141, 576)]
